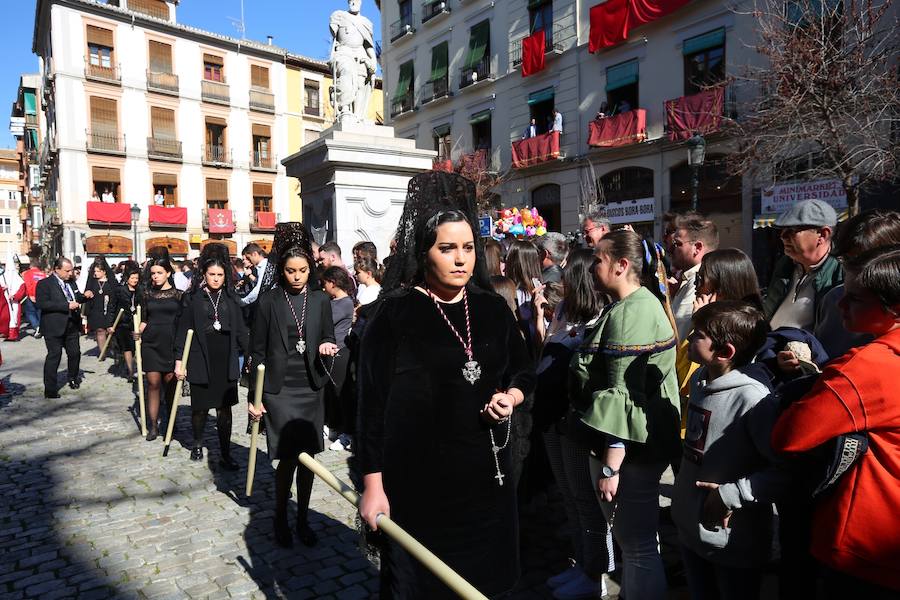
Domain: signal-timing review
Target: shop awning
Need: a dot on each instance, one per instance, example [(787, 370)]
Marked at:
[(713, 39), (479, 37), (541, 96), (440, 58), (404, 83), (621, 75), (480, 117)]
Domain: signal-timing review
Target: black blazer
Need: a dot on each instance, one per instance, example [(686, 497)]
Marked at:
[(193, 316), (54, 306), (269, 339)]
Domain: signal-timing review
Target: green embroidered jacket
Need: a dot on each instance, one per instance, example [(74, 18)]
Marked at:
[(622, 380)]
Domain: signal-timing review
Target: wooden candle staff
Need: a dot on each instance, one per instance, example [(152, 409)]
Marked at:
[(109, 337), (254, 434), (139, 366), (184, 360)]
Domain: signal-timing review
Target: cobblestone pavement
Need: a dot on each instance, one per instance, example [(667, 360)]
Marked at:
[(91, 510)]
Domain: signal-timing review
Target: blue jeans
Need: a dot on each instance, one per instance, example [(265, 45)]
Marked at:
[(635, 516), (32, 313)]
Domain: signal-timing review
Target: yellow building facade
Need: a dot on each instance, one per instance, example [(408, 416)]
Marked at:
[(310, 112)]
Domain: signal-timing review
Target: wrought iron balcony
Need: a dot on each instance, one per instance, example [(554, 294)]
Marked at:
[(108, 143), (314, 110), (162, 82), (216, 155), (402, 105), (163, 148), (402, 28), (106, 74), (555, 42), (435, 90), (262, 99), (215, 91), (263, 161), (480, 72), (434, 8)]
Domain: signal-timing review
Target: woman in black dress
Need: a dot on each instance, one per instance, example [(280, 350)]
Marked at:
[(212, 312), (291, 330), (160, 308), (442, 367), (101, 311), (128, 298)]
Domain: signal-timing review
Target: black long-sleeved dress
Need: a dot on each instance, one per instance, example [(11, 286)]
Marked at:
[(102, 307), (420, 426), (128, 300)]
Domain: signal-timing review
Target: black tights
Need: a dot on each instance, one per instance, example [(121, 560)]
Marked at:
[(284, 476), (223, 426)]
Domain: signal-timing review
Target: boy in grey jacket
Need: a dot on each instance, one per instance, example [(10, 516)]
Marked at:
[(722, 502)]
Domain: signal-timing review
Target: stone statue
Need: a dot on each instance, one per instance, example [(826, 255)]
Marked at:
[(352, 61)]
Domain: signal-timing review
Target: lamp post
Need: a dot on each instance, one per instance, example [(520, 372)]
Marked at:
[(696, 155), (135, 215)]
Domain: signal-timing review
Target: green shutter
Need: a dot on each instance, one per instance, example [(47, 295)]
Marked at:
[(30, 104), (541, 96), (480, 117), (479, 37), (439, 60), (404, 84), (621, 75), (32, 133), (713, 39), (441, 130)]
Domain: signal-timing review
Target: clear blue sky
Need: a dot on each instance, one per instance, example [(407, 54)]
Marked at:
[(301, 26)]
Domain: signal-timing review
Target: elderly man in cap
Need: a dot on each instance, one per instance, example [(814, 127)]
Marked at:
[(807, 271)]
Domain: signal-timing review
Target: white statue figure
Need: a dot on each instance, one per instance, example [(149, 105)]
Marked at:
[(352, 61)]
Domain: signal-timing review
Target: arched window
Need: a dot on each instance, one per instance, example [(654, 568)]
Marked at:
[(630, 183), (546, 199)]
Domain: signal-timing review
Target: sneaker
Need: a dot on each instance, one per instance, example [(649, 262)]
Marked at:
[(564, 577), (581, 587)]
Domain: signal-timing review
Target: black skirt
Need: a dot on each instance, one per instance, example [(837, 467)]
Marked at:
[(294, 416), (219, 392)]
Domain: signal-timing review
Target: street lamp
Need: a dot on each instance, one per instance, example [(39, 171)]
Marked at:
[(135, 215), (696, 155)]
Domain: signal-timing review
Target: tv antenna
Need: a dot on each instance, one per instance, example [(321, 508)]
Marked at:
[(240, 24)]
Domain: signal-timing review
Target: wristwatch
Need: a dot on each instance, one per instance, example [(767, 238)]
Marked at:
[(607, 472)]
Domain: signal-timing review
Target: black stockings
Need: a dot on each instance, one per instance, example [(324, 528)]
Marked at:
[(284, 476), (223, 427), (158, 384)]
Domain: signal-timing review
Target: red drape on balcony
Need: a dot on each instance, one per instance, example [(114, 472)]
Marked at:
[(612, 20), (618, 130), (538, 149), (168, 215), (533, 53), (109, 212), (220, 220), (699, 113), (265, 220), (442, 165)]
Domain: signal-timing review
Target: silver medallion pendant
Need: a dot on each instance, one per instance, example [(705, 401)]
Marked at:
[(132, 309), (301, 346), (216, 325), (472, 371)]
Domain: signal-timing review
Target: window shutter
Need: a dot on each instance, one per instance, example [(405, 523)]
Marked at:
[(99, 36), (479, 40), (261, 130), (104, 117), (262, 189), (162, 123), (213, 60), (216, 121), (259, 76), (439, 61), (404, 84), (216, 189), (621, 75), (105, 174), (713, 39), (160, 57), (160, 179)]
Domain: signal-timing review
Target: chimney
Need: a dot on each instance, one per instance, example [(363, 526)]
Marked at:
[(269, 39)]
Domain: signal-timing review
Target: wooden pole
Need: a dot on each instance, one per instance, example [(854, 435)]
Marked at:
[(139, 365), (254, 434), (109, 337), (178, 386), (434, 564)]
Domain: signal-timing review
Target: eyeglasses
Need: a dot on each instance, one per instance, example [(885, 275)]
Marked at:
[(792, 231)]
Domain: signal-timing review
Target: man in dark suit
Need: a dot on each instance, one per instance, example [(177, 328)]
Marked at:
[(60, 302)]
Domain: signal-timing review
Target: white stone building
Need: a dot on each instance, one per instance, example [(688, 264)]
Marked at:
[(10, 203)]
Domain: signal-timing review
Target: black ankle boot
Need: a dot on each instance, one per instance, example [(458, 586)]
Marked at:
[(197, 452), (283, 532), (306, 535)]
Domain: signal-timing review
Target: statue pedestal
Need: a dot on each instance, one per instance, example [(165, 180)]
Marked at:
[(353, 183)]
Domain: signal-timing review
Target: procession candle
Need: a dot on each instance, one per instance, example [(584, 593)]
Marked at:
[(109, 337), (254, 434), (184, 360), (140, 371)]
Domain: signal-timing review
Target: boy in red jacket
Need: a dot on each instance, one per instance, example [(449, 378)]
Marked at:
[(856, 529)]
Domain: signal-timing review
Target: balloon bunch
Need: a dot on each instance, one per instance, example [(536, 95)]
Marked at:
[(519, 223)]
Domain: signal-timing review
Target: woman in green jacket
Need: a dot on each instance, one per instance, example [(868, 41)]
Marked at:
[(624, 396)]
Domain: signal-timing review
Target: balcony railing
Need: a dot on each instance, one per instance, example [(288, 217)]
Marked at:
[(435, 90), (31, 119), (402, 105), (402, 28), (698, 113), (110, 143), (555, 42), (157, 12), (536, 150), (31, 156), (163, 148), (263, 160), (314, 110), (472, 75), (162, 82), (622, 129), (261, 99), (433, 8), (216, 155), (262, 221), (108, 74), (215, 91)]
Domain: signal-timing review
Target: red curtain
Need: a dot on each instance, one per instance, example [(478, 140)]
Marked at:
[(168, 215), (538, 149), (220, 220), (699, 113), (612, 21), (533, 53), (109, 212), (265, 220), (619, 130)]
